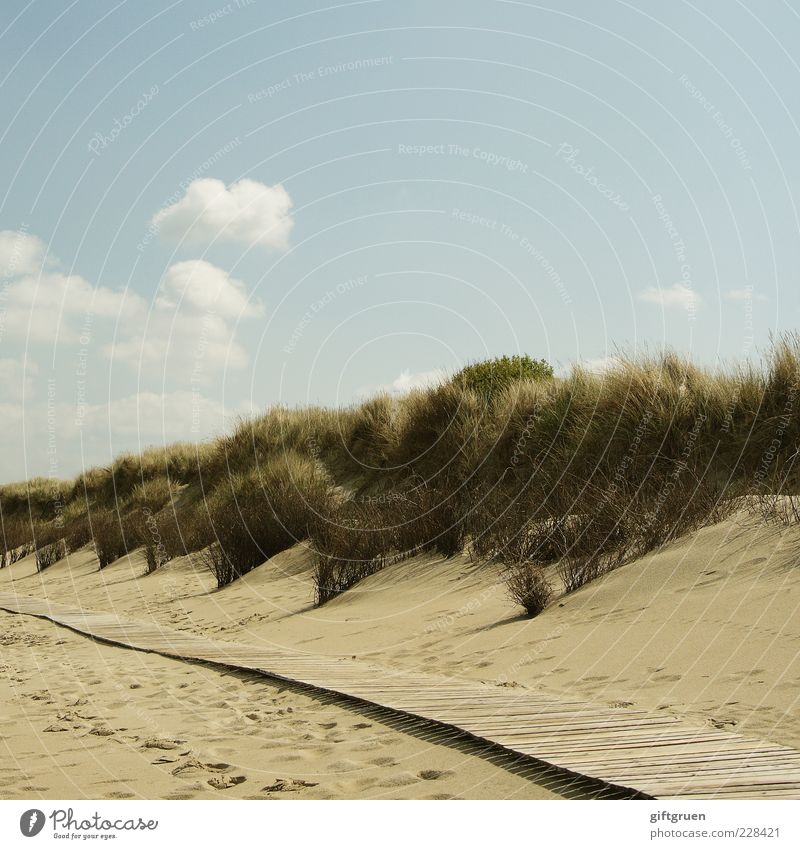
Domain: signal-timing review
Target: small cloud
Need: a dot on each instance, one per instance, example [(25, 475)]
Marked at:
[(247, 211), (677, 295), (600, 365), (208, 289), (596, 365), (407, 381), (745, 294)]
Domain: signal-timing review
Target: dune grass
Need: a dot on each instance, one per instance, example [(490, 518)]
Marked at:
[(585, 471)]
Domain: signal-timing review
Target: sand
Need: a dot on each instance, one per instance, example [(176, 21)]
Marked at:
[(705, 629)]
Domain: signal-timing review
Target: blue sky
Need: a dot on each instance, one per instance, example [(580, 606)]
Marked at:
[(209, 208)]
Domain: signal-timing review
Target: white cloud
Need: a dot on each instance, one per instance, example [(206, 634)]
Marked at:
[(745, 294), (407, 381), (600, 365), (199, 344), (247, 211), (188, 327), (95, 433), (20, 253), (41, 303), (677, 295), (55, 305), (208, 289), (157, 417), (16, 377)]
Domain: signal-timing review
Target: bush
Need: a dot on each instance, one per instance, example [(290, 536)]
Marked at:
[(154, 557), (107, 533), (151, 495), (350, 542), (76, 525), (508, 531), (373, 433), (439, 453), (528, 587), (333, 577), (221, 565), (261, 513), (17, 541), (490, 377), (579, 570), (429, 519), (774, 508), (181, 530), (356, 539), (49, 554)]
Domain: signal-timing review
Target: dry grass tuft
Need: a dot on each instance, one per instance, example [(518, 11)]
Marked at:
[(527, 586)]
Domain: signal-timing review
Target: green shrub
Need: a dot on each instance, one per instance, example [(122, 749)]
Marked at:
[(490, 377)]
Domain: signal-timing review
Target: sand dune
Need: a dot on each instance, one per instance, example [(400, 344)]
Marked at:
[(705, 629)]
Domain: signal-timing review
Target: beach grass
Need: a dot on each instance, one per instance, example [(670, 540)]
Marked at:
[(587, 471)]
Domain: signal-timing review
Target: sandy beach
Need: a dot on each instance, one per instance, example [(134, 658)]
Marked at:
[(704, 629)]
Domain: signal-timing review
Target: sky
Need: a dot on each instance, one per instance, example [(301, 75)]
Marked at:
[(209, 208)]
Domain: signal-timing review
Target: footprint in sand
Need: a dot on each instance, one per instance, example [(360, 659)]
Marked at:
[(722, 723), (433, 774), (401, 780), (193, 766), (223, 782), (41, 696), (287, 785), (162, 743)]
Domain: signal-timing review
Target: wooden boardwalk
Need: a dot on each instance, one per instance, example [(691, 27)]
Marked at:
[(655, 754)]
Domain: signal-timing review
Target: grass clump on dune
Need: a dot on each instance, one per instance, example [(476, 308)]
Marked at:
[(527, 586), (260, 513), (504, 459)]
